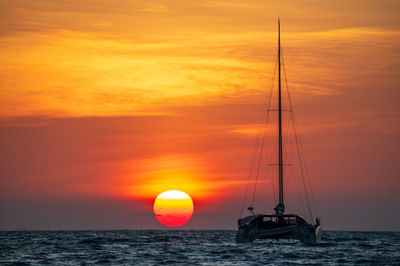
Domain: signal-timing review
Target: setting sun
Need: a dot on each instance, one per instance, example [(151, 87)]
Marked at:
[(173, 208)]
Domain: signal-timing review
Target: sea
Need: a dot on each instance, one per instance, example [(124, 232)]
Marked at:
[(215, 247)]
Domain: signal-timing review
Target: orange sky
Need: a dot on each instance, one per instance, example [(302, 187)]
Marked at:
[(104, 104)]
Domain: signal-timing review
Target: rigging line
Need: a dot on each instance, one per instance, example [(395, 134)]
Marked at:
[(272, 170), (265, 107), (271, 158), (266, 170), (269, 169), (253, 159), (296, 178), (299, 195), (307, 174), (265, 124), (264, 167), (292, 172), (263, 139), (285, 151), (300, 152), (261, 181), (308, 177), (299, 147), (259, 163)]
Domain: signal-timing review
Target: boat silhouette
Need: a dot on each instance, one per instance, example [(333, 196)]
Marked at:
[(278, 225)]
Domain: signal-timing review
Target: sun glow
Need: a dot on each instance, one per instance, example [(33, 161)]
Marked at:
[(156, 174), (173, 208)]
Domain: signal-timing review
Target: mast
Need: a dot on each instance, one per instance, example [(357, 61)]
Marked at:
[(280, 208)]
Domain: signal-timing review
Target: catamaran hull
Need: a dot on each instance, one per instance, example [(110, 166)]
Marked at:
[(306, 234), (249, 235), (311, 235)]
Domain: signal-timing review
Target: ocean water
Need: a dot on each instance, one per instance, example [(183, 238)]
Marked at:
[(193, 247)]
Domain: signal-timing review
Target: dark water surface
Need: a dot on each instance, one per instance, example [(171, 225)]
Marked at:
[(193, 247)]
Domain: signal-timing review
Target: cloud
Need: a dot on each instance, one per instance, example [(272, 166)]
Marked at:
[(69, 59)]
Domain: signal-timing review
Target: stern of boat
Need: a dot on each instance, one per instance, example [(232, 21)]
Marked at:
[(311, 234), (242, 235), (244, 232)]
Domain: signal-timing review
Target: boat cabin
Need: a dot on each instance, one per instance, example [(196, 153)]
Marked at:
[(270, 221)]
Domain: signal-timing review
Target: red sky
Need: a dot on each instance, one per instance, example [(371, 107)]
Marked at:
[(104, 105)]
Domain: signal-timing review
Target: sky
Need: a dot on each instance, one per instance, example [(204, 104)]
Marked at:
[(105, 104)]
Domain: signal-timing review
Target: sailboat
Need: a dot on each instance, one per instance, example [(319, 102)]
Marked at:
[(278, 225)]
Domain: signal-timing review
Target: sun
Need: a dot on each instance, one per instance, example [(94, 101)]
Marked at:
[(173, 208)]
